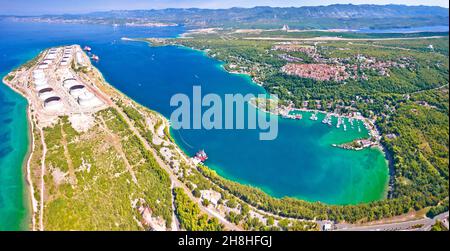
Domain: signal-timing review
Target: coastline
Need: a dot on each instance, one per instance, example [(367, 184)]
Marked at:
[(166, 122), (30, 201), (368, 123)]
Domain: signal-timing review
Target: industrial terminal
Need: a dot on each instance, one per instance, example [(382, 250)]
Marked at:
[(56, 86)]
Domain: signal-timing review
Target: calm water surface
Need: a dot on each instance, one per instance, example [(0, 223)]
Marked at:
[(301, 162)]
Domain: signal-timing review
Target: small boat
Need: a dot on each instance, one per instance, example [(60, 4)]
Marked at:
[(313, 116), (95, 57), (327, 119), (87, 48), (339, 122)]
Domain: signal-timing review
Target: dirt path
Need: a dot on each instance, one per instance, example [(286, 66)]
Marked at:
[(173, 178), (44, 153), (335, 38), (175, 223), (34, 203), (73, 178), (118, 147), (436, 88), (384, 47)]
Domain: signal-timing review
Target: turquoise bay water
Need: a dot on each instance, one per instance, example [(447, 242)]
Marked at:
[(13, 147), (301, 162)]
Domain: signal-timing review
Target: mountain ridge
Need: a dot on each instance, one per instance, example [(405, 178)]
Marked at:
[(330, 16)]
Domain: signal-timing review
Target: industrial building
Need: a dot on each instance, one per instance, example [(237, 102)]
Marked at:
[(58, 87)]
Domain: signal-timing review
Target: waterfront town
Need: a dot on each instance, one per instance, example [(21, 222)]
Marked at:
[(321, 72)]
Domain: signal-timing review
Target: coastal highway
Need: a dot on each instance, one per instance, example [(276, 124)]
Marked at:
[(336, 38), (424, 224), (174, 179), (175, 182)]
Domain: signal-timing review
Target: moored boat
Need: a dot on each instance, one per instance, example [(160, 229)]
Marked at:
[(95, 57), (201, 156)]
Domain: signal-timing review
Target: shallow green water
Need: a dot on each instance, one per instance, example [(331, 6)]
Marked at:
[(301, 162), (13, 147)]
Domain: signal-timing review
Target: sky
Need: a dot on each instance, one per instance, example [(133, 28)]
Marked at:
[(38, 7)]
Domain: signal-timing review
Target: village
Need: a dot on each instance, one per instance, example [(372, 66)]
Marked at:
[(334, 68), (321, 72)]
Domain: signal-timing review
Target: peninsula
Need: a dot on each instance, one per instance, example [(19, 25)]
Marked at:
[(100, 161)]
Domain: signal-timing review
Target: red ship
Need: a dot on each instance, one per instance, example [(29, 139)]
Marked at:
[(201, 156)]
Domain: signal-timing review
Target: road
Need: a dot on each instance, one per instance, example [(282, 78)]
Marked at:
[(173, 178), (44, 153), (335, 38), (426, 224), (175, 182)]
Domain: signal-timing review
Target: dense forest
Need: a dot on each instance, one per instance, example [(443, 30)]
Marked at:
[(189, 215)]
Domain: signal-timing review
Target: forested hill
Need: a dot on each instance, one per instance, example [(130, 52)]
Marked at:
[(331, 16)]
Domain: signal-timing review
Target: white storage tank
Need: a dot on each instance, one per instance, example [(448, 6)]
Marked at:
[(39, 88), (40, 82), (87, 99), (68, 83), (46, 93), (38, 72), (39, 77), (53, 103), (43, 66), (77, 90), (79, 58), (50, 56)]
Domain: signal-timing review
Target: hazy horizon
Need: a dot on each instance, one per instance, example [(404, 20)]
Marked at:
[(49, 7)]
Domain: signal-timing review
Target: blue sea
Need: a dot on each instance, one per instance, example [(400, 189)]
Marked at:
[(300, 163)]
